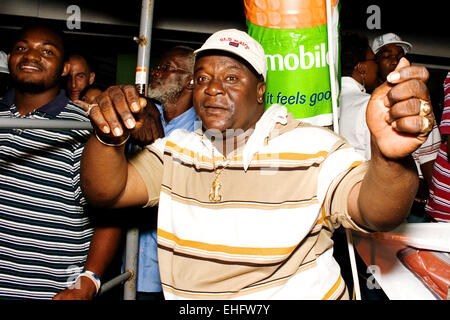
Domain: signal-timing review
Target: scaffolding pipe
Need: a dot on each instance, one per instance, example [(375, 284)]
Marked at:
[(145, 35), (142, 74), (23, 123), (114, 282), (131, 260), (334, 102), (332, 62)]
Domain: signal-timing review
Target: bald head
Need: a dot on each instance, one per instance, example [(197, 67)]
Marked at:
[(80, 76)]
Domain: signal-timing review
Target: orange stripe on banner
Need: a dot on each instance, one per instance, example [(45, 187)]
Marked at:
[(286, 14)]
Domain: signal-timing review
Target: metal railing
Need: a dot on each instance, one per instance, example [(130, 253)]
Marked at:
[(141, 80)]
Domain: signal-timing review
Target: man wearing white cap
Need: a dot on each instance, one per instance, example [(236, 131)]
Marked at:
[(389, 48), (248, 203)]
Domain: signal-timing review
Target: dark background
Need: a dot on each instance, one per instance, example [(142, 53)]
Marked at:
[(108, 28)]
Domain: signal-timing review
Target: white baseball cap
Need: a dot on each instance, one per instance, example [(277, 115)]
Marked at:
[(3, 62), (240, 44), (390, 38)]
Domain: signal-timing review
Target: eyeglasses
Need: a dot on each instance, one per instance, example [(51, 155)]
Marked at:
[(168, 67)]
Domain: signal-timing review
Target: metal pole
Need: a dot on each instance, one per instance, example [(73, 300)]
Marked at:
[(131, 261), (331, 56), (145, 35), (114, 282), (23, 123), (142, 73), (334, 97)]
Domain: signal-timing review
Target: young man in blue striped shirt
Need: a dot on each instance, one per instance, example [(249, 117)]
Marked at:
[(44, 230)]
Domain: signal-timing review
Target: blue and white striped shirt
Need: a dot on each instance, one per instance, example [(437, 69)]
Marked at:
[(44, 230)]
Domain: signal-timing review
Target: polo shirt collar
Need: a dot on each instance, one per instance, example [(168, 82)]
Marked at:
[(53, 108), (180, 121)]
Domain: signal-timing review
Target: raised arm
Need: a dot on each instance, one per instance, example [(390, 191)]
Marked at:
[(398, 126), (107, 179)]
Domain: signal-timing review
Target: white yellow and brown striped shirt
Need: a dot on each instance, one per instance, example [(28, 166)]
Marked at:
[(283, 193)]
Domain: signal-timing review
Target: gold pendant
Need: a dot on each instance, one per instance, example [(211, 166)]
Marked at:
[(214, 195)]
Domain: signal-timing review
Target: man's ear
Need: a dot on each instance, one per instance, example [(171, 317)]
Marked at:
[(66, 69), (190, 84), (91, 78), (361, 67), (261, 89)]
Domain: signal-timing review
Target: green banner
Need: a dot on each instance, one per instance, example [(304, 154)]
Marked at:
[(298, 72)]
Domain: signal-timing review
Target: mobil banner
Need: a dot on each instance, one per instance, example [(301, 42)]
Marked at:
[(294, 36)]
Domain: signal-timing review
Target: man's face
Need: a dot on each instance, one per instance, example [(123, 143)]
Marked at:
[(171, 76), (80, 76), (226, 93), (36, 60), (387, 58)]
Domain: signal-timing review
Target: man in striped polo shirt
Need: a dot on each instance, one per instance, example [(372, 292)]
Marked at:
[(248, 203), (438, 205), (44, 230)]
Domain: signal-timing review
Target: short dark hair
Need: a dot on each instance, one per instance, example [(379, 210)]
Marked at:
[(47, 25), (353, 50)]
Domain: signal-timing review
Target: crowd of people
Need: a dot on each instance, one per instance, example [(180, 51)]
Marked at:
[(196, 153), (363, 68)]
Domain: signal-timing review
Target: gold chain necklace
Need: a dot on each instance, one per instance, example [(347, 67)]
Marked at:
[(214, 193)]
